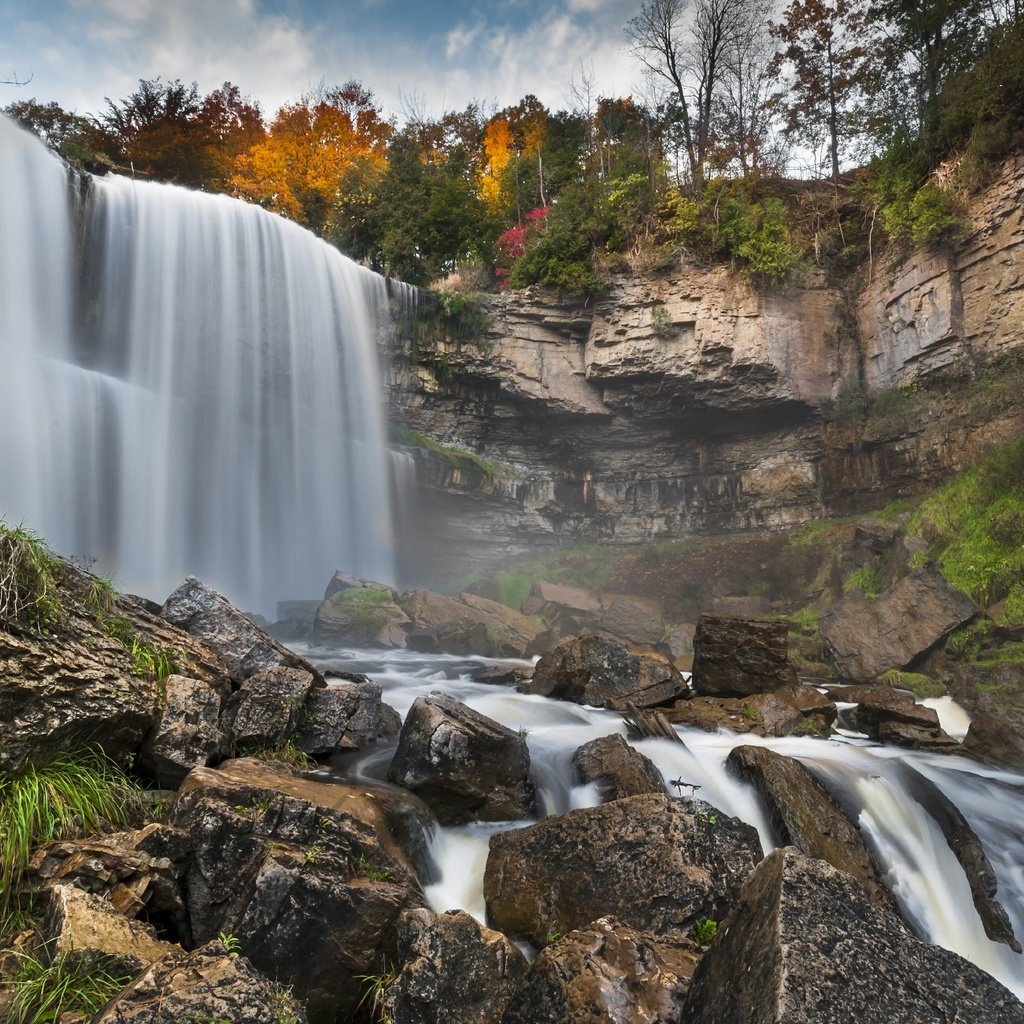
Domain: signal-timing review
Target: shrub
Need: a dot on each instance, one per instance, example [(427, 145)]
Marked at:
[(704, 931)]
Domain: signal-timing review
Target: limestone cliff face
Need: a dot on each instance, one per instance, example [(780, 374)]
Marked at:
[(691, 403)]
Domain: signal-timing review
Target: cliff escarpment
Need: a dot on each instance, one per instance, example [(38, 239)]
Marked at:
[(691, 403)]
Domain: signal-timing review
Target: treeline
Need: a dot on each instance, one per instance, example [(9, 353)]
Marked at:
[(923, 98)]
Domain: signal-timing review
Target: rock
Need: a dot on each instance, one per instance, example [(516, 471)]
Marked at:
[(993, 740), (186, 733), (468, 624), (616, 768), (343, 716), (85, 926), (679, 643), (737, 657), (887, 716), (803, 814), (637, 620), (495, 675), (453, 970), (606, 673), (342, 581), (794, 709), (866, 638), (604, 972), (308, 876), (366, 615), (208, 984), (569, 610), (805, 945), (655, 863), (268, 708), (463, 765), (242, 646)]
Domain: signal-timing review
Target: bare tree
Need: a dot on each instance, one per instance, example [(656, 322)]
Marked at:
[(15, 80)]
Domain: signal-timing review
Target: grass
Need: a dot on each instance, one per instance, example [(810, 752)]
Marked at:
[(284, 753), (918, 684), (704, 931), (30, 578), (45, 992), (375, 990), (867, 581), (149, 661), (71, 795)]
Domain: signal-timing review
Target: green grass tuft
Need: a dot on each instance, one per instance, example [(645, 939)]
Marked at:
[(30, 578), (44, 992)]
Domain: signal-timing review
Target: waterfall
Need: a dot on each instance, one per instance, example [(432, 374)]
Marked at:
[(188, 384)]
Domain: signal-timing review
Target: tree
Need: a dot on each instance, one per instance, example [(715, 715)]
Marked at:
[(825, 50), (69, 134)]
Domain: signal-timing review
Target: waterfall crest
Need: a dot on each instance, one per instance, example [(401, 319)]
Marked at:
[(188, 384)]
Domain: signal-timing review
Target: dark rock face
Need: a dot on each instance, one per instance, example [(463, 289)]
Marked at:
[(342, 716), (605, 972), (616, 768), (186, 733), (896, 718), (208, 984), (312, 891), (465, 766), (453, 970), (655, 863), (867, 638), (267, 708), (803, 814), (791, 710), (994, 740), (607, 674), (243, 647), (737, 657), (805, 945)]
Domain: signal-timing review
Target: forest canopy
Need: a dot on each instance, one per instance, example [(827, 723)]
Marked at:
[(774, 139)]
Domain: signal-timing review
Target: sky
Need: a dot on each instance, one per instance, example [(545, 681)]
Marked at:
[(425, 56)]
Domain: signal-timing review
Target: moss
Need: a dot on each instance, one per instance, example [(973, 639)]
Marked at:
[(918, 684), (362, 604), (464, 461)]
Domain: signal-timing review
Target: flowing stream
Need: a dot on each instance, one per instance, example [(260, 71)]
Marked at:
[(188, 384), (872, 780)]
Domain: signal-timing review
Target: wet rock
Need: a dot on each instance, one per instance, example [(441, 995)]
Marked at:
[(888, 716), (498, 676), (453, 970), (308, 876), (242, 646), (793, 710), (866, 638), (467, 624), (364, 615), (737, 657), (655, 863), (342, 581), (569, 610), (343, 716), (996, 741), (268, 708), (604, 972), (803, 814), (208, 984), (805, 945), (616, 768), (85, 926), (463, 765), (605, 673), (186, 733)]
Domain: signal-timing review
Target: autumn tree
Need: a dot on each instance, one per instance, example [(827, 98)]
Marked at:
[(824, 52), (60, 129)]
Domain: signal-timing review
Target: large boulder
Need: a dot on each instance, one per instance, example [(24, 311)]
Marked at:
[(467, 624), (209, 984), (570, 610), (186, 733), (604, 972), (616, 768), (463, 765), (792, 710), (805, 945), (638, 620), (866, 638), (996, 741), (655, 863), (345, 715), (605, 673), (452, 970), (244, 648), (308, 876), (268, 708), (361, 615), (803, 814), (735, 657), (893, 717)]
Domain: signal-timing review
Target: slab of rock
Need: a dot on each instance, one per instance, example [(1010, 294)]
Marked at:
[(453, 970), (208, 984), (805, 945), (996, 741), (605, 673), (342, 716), (308, 876), (85, 926), (803, 814), (866, 638), (792, 710), (268, 708), (889, 717), (604, 972), (467, 624), (463, 765), (342, 581), (569, 610), (186, 733), (364, 615), (638, 620), (735, 657), (616, 768), (655, 863)]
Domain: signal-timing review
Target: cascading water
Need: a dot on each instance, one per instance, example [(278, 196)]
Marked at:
[(870, 781), (188, 384)]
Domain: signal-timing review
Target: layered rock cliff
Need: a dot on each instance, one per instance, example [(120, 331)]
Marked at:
[(692, 403)]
